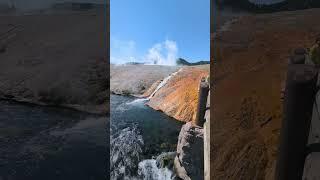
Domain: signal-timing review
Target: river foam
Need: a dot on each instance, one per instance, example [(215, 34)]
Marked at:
[(148, 170), (126, 158), (140, 139), (126, 148)]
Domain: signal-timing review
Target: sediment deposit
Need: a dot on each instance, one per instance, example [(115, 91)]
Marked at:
[(247, 106), (55, 59)]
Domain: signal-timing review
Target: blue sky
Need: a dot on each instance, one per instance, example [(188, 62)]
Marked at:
[(161, 30)]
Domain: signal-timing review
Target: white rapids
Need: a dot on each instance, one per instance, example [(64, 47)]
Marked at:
[(126, 158), (148, 170)]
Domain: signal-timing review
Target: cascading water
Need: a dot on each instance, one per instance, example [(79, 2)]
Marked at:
[(142, 141), (126, 150), (159, 168), (161, 84)]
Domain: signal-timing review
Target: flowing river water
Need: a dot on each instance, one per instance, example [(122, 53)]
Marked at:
[(51, 143), (141, 140)]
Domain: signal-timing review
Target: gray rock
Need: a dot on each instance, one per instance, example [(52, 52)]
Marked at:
[(189, 160)]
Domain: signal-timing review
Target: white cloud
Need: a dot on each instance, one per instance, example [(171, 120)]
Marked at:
[(164, 53)]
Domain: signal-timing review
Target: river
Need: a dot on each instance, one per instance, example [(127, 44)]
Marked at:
[(51, 143), (141, 138)]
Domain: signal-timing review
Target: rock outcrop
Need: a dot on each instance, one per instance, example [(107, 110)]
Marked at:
[(189, 160), (179, 97)]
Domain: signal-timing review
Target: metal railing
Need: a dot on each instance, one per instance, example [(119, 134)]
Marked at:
[(202, 103), (299, 98)]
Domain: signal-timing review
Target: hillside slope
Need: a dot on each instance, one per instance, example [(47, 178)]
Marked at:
[(247, 80)]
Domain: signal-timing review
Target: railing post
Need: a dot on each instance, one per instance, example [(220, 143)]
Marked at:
[(206, 128), (202, 103), (298, 105)]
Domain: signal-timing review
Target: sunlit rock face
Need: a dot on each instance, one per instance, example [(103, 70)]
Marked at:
[(179, 97)]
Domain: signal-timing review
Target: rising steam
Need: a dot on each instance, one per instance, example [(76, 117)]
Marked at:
[(163, 53)]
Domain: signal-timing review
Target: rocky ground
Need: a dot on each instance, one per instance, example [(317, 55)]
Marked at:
[(248, 74), (137, 79), (55, 59)]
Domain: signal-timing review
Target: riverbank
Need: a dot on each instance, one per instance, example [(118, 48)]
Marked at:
[(51, 64), (45, 62)]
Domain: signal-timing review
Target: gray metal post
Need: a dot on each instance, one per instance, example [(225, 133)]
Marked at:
[(202, 103), (298, 103)]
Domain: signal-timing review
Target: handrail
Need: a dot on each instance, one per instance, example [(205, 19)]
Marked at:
[(298, 106), (202, 103)]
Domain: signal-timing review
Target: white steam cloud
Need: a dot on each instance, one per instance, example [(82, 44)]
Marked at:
[(164, 53)]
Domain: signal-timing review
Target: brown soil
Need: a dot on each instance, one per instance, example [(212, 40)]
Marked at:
[(247, 78)]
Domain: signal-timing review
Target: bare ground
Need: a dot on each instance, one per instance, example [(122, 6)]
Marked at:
[(137, 79), (55, 59), (247, 79)]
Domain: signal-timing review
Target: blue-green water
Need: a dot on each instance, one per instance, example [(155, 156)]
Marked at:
[(138, 133)]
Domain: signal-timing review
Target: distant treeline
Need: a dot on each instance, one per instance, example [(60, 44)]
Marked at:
[(281, 6), (179, 61), (184, 62)]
